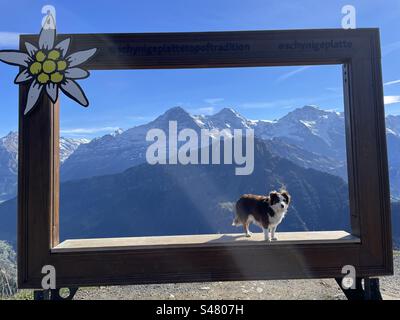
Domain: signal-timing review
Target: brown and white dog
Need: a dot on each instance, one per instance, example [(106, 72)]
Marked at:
[(265, 211)]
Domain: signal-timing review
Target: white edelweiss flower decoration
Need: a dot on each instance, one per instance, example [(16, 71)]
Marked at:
[(49, 68)]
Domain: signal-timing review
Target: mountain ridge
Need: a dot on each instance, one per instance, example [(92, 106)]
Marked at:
[(309, 136), (114, 154), (9, 161), (185, 199)]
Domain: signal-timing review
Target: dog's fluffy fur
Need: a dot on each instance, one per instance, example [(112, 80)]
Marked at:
[(265, 211)]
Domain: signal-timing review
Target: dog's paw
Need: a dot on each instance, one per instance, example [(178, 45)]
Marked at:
[(274, 238)]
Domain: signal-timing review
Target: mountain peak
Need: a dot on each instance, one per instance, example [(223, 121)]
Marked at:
[(10, 141), (393, 116), (228, 118), (175, 111), (311, 113), (393, 124), (317, 110), (311, 107), (10, 135), (227, 111), (117, 132), (178, 114)]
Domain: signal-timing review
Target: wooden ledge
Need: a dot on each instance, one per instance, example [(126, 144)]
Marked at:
[(203, 240)]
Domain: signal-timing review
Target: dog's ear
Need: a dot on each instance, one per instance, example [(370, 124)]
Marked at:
[(273, 198), (286, 195)]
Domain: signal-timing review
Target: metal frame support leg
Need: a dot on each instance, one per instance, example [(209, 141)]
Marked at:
[(370, 291), (53, 294)]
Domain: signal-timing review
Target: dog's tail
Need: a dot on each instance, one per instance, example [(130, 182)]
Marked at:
[(231, 206)]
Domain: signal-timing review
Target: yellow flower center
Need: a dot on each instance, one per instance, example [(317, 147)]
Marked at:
[(61, 65), (40, 56), (48, 66), (56, 77), (54, 55), (35, 68), (43, 78)]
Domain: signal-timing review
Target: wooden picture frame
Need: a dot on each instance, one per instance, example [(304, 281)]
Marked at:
[(117, 261)]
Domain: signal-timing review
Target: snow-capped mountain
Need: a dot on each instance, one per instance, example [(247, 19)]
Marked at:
[(320, 133), (8, 165), (114, 153), (310, 128), (393, 125), (299, 135), (68, 147), (393, 146), (118, 205), (226, 118), (9, 147), (308, 136), (9, 161)]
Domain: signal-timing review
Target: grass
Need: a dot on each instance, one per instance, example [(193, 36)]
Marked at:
[(20, 295), (26, 294)]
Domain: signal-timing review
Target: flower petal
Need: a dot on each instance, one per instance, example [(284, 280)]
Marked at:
[(63, 46), (52, 91), (76, 73), (33, 95), (23, 76), (15, 58), (80, 57), (74, 91), (30, 48), (47, 34)]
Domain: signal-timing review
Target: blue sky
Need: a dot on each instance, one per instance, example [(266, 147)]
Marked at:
[(127, 98)]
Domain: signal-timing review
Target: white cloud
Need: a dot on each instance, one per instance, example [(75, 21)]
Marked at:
[(290, 74), (391, 82), (213, 100), (391, 99), (286, 103), (9, 40), (292, 102), (391, 47), (89, 130)]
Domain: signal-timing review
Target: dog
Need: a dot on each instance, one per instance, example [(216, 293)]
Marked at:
[(265, 211)]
